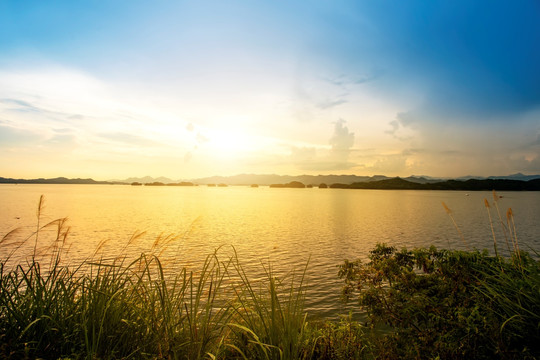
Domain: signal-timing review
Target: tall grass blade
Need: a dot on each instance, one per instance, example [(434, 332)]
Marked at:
[(503, 226)]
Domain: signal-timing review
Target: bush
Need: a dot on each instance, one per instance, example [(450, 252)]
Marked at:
[(449, 304)]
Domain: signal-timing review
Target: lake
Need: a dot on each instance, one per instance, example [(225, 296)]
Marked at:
[(282, 228)]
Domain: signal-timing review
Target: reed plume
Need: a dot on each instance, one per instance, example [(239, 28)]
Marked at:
[(41, 205), (496, 203), (486, 204), (449, 212), (513, 234)]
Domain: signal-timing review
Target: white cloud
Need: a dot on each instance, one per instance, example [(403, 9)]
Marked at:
[(341, 141)]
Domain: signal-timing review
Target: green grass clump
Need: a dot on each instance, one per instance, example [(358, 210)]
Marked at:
[(119, 309), (115, 310), (340, 340), (265, 326)]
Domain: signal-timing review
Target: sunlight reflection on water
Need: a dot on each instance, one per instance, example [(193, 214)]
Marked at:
[(281, 227)]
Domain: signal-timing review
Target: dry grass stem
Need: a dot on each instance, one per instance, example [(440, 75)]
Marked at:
[(449, 212), (486, 204)]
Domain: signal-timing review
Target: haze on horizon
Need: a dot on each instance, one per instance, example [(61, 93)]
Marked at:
[(114, 89)]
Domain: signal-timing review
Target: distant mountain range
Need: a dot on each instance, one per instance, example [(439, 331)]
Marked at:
[(248, 179), (518, 176), (58, 180), (350, 181), (146, 180)]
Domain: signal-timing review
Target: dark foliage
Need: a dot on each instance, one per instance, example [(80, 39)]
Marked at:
[(449, 304)]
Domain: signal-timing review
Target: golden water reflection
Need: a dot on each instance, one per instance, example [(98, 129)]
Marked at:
[(282, 227)]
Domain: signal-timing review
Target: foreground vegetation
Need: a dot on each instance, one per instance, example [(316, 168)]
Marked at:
[(449, 304), (421, 303)]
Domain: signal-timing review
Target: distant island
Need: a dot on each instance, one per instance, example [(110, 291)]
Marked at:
[(292, 184), (157, 183), (377, 182)]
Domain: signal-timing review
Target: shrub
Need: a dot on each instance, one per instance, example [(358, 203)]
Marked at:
[(449, 304)]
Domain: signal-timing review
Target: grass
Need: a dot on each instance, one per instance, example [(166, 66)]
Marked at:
[(422, 303), (115, 308), (124, 309)]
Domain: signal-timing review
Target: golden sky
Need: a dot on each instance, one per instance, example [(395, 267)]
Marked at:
[(111, 90)]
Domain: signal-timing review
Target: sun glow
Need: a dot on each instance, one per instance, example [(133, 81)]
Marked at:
[(232, 142)]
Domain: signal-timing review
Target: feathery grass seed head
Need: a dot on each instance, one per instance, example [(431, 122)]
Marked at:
[(509, 213), (446, 208)]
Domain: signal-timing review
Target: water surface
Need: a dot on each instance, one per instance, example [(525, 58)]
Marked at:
[(283, 228)]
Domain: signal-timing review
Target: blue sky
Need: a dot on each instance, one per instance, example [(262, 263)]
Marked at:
[(112, 89)]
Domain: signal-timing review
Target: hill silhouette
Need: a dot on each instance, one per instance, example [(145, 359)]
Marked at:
[(468, 185), (58, 180)]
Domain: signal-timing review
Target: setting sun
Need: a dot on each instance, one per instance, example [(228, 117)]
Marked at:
[(230, 143)]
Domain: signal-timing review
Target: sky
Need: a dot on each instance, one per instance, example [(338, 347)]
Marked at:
[(188, 89)]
